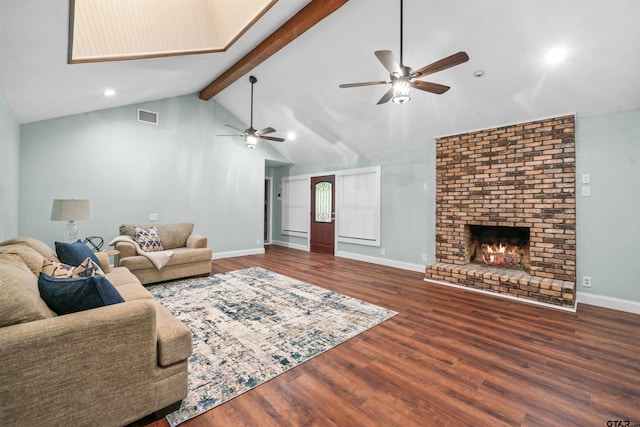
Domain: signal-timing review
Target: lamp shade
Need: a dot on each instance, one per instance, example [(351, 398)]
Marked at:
[(71, 210)]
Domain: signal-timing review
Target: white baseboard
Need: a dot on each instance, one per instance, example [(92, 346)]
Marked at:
[(506, 296), (608, 302), (291, 245), (383, 261), (242, 252)]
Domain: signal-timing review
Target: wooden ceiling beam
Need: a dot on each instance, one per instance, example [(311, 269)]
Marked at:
[(314, 12)]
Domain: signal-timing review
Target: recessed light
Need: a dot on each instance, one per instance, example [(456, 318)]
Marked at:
[(291, 136), (556, 55), (109, 92)]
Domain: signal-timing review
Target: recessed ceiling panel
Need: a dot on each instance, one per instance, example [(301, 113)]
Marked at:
[(108, 30)]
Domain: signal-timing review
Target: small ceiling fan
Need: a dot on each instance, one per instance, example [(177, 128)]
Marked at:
[(250, 136), (402, 78)]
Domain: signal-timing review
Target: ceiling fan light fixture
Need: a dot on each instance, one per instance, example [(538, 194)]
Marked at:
[(401, 91), (251, 141)]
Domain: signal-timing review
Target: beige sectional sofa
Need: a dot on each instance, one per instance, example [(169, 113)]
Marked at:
[(106, 366), (190, 254)]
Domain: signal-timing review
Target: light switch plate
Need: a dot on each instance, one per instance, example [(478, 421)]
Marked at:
[(586, 191)]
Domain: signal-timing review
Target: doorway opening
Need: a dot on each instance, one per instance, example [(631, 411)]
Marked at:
[(268, 191)]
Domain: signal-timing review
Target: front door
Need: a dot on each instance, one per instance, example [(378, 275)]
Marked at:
[(322, 214)]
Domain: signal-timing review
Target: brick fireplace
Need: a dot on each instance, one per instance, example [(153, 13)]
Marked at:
[(505, 211)]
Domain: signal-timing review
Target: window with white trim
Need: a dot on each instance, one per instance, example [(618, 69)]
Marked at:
[(295, 206), (358, 206)]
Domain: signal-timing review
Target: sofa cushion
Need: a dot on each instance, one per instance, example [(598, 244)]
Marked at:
[(148, 240), (121, 276), (60, 270), (74, 253), (173, 235), (35, 244), (133, 291), (180, 256), (28, 255), (69, 295), (20, 300)]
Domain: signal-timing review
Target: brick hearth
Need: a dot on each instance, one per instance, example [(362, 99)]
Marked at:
[(521, 175)]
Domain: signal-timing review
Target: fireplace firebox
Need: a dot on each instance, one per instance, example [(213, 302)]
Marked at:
[(498, 246)]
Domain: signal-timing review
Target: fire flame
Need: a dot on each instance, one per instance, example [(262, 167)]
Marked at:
[(501, 254)]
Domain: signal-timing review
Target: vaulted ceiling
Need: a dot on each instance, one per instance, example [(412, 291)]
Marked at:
[(297, 87)]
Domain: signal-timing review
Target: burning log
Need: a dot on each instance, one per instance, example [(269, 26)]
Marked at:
[(501, 255)]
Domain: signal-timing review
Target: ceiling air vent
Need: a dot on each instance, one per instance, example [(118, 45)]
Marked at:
[(147, 116)]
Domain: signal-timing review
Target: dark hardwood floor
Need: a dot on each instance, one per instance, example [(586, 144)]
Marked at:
[(450, 357)]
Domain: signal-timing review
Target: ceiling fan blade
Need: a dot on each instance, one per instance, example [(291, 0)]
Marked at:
[(389, 61), (379, 82), (443, 64), (430, 87), (265, 131), (387, 96), (271, 138), (229, 135), (235, 128)]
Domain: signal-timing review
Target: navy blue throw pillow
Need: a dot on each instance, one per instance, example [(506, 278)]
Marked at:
[(73, 294), (74, 253)]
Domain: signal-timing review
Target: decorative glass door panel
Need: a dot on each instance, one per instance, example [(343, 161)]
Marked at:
[(322, 214), (323, 203)]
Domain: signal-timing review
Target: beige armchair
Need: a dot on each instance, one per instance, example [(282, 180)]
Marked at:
[(190, 255)]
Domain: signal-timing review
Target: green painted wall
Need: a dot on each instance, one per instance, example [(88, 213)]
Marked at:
[(608, 233), (407, 211), (10, 149), (178, 169)]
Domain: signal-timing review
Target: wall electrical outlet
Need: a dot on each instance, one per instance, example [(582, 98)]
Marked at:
[(382, 251), (586, 191), (424, 257), (586, 281), (153, 217), (425, 186), (586, 178)]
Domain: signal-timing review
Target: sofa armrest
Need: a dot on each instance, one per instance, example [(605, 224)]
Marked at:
[(196, 241), (126, 249), (80, 366), (103, 257)]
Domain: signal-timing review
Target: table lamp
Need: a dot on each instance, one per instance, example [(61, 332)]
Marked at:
[(71, 210)]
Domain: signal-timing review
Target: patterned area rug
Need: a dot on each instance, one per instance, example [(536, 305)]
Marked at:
[(251, 325)]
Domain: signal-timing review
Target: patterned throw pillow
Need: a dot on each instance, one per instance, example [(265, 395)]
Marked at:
[(87, 268), (56, 269), (149, 240), (60, 270)]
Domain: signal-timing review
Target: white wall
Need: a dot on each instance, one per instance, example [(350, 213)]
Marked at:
[(9, 155), (178, 169)]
